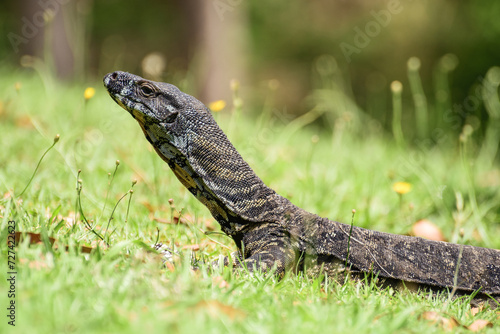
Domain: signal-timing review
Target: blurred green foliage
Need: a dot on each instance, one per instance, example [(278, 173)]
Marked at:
[(286, 40)]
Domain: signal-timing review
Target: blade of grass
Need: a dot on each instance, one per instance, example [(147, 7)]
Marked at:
[(56, 139)]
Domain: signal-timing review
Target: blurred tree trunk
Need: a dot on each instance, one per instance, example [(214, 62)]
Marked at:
[(53, 30), (220, 35)]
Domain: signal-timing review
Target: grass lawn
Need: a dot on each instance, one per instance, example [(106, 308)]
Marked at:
[(124, 288)]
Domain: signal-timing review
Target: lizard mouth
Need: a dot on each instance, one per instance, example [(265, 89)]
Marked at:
[(120, 86), (127, 90)]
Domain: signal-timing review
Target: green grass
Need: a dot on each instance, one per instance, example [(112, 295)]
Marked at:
[(125, 289)]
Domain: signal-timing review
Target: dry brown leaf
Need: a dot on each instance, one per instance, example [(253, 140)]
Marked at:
[(426, 229), (99, 243), (175, 220), (161, 220), (214, 308), (35, 264), (474, 311), (194, 247), (148, 206), (447, 324), (187, 219), (479, 324), (209, 224), (220, 282), (24, 121), (36, 238), (170, 266)]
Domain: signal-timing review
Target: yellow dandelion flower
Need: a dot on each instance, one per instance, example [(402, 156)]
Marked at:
[(217, 105), (89, 93), (401, 187)]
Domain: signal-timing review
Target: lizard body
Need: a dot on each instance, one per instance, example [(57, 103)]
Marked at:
[(270, 231)]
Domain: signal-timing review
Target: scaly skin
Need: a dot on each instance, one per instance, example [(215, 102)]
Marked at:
[(268, 229)]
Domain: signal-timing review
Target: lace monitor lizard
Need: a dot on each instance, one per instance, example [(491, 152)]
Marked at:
[(271, 232)]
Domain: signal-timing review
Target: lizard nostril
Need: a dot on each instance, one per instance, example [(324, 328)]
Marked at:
[(114, 75)]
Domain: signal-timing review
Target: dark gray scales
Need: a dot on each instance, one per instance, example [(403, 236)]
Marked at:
[(267, 228)]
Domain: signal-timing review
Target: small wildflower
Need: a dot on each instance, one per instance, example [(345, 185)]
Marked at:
[(217, 105), (56, 138), (413, 64), (401, 187), (18, 86), (396, 87), (235, 85), (466, 132), (89, 93)]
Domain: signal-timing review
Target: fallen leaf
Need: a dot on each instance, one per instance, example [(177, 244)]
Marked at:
[(36, 264), (170, 266), (209, 224), (148, 206), (426, 229), (161, 220), (447, 324), (194, 247), (175, 220), (214, 308), (474, 311), (36, 238), (24, 121), (479, 324), (99, 243), (220, 282)]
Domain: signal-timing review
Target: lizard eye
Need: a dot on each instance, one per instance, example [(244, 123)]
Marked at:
[(171, 118), (147, 90)]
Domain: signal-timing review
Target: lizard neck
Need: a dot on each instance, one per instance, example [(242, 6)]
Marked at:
[(212, 169), (231, 179)]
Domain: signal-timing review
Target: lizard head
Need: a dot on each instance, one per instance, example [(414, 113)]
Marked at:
[(147, 101), (164, 113)]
